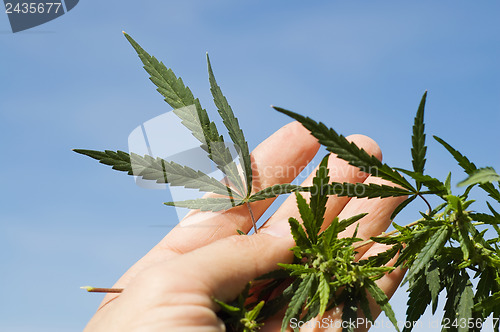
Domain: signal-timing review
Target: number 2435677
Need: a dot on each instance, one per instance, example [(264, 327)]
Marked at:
[(464, 323), (32, 7)]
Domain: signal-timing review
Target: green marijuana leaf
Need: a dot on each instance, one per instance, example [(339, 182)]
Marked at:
[(348, 151), (232, 125), (382, 301), (432, 247), (469, 168), (480, 176), (159, 170), (207, 204), (362, 190), (297, 301), (275, 190), (419, 149), (196, 119), (449, 248)]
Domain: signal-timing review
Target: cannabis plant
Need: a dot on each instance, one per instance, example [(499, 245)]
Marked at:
[(450, 248)]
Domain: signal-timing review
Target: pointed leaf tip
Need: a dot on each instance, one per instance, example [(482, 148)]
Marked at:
[(418, 150)]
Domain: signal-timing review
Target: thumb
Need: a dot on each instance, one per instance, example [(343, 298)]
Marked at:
[(227, 265)]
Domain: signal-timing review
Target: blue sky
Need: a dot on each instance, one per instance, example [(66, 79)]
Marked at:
[(359, 66)]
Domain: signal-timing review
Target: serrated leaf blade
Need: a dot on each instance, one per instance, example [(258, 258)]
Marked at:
[(207, 204), (344, 223), (275, 190), (349, 314), (159, 170), (435, 242), (297, 301), (362, 190), (402, 205), (232, 125), (419, 149), (189, 110), (298, 233), (348, 151), (432, 278), (436, 186), (307, 216), (480, 176), (324, 293), (382, 300), (418, 300), (318, 197), (465, 305), (469, 168)]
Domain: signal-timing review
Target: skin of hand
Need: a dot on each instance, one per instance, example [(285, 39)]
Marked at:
[(172, 286)]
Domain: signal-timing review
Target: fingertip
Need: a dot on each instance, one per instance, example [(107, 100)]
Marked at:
[(367, 144), (282, 156), (296, 129)]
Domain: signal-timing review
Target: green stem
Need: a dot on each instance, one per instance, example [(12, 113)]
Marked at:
[(91, 289), (253, 219), (364, 243), (426, 202)]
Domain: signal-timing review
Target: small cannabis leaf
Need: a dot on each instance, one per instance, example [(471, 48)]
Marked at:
[(317, 201), (431, 248), (382, 301), (419, 149), (480, 176), (275, 190), (303, 292), (469, 168)]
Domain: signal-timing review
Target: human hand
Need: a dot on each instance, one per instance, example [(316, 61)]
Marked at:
[(171, 287)]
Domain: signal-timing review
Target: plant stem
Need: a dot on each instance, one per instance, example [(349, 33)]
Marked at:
[(102, 290), (426, 202), (253, 219), (364, 243)]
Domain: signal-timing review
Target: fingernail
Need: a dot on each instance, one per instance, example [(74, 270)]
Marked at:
[(279, 228)]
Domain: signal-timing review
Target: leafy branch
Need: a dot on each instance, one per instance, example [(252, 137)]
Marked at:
[(445, 250)]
